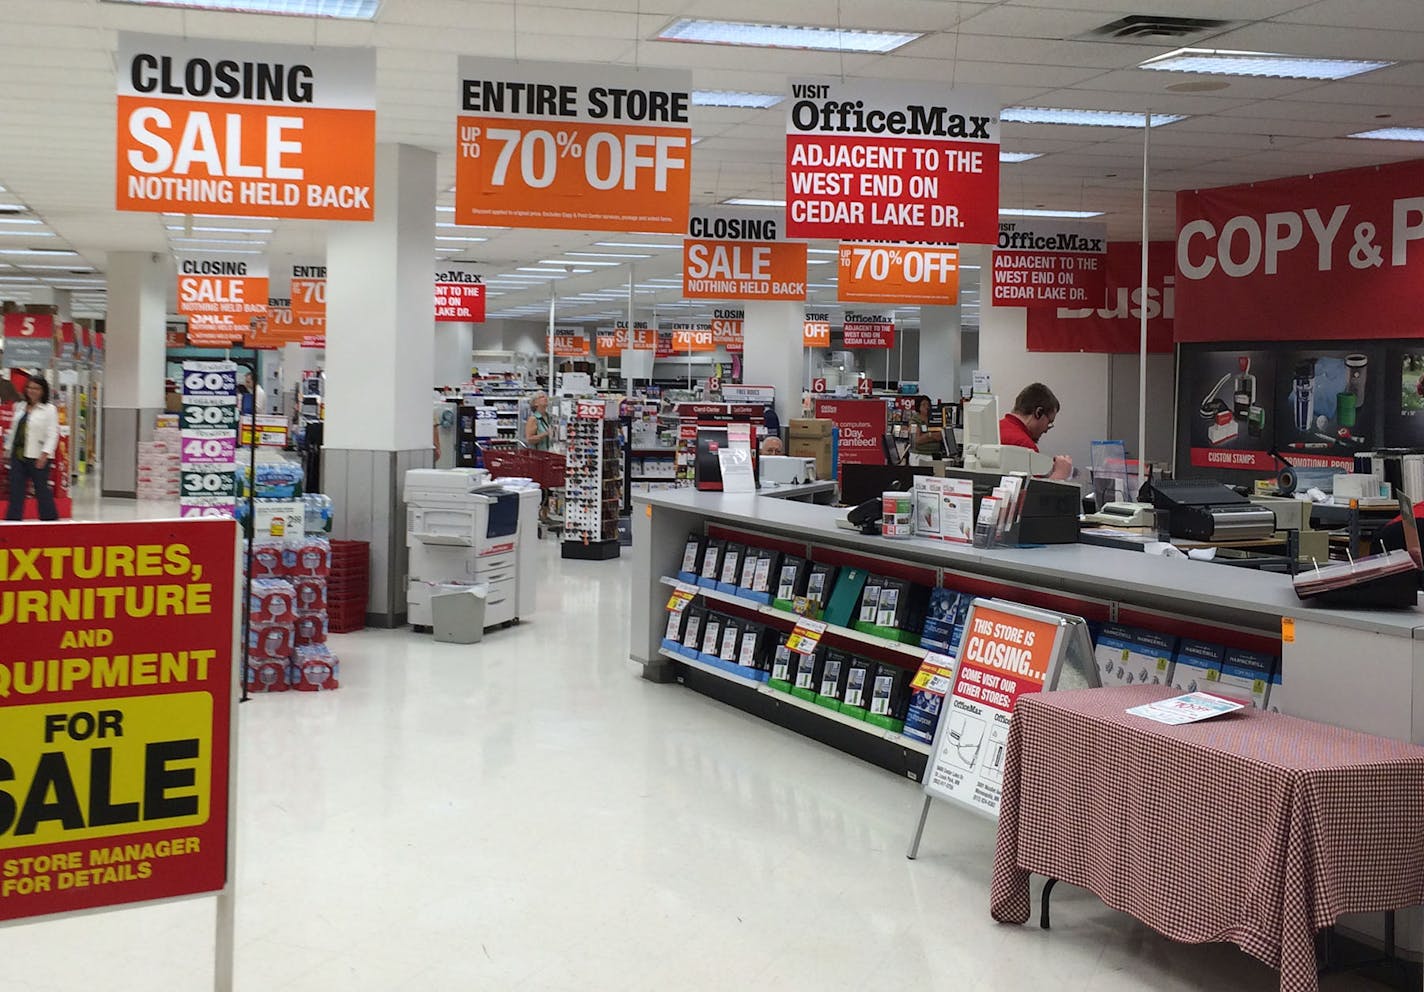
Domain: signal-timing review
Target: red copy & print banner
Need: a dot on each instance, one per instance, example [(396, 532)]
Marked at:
[(1305, 257), (861, 424), (883, 160), (1046, 263), (115, 695), (1114, 327)]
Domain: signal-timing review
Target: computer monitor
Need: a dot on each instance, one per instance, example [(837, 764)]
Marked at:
[(981, 421)]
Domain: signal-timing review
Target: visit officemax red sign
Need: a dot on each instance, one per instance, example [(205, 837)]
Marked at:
[(115, 698), (868, 330), (572, 147), (459, 295), (223, 127), (879, 160), (1046, 263), (1305, 257)]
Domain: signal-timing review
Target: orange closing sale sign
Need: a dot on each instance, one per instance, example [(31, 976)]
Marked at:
[(572, 147), (727, 327), (737, 254), (909, 274), (309, 289), (224, 297), (245, 129), (816, 329), (572, 345)]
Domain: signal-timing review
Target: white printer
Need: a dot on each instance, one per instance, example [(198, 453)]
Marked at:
[(463, 530)]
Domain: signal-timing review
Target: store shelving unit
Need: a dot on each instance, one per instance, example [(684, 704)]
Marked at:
[(594, 483)]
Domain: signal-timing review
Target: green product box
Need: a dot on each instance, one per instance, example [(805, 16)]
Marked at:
[(779, 685), (855, 712)]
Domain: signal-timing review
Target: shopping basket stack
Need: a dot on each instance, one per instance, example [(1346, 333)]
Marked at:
[(347, 586)]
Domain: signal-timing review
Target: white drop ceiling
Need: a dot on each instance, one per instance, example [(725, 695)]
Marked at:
[(57, 122)]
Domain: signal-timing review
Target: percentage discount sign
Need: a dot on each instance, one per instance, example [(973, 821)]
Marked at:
[(908, 274), (572, 147)]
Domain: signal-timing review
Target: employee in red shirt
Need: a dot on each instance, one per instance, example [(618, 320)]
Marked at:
[(1035, 409)]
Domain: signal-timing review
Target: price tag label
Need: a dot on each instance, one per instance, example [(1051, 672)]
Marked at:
[(681, 596), (214, 416), (210, 450), (203, 506), (208, 482), (806, 635), (220, 381), (1288, 630), (589, 410)]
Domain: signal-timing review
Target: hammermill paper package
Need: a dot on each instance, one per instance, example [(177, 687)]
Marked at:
[(1197, 667), (1246, 676)]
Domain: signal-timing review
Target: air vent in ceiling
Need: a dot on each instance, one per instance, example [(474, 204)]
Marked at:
[(1156, 28)]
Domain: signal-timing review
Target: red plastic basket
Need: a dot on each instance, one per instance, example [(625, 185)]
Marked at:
[(348, 585), (506, 463), (550, 468)]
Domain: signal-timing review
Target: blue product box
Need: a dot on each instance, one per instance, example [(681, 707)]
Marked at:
[(1246, 675), (938, 633), (1197, 666)]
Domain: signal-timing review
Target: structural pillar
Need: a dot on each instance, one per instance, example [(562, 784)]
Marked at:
[(454, 344), (134, 355), (772, 354), (939, 353), (380, 362)]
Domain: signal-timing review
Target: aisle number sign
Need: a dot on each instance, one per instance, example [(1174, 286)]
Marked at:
[(224, 297), (245, 129), (913, 275), (816, 329), (29, 340), (572, 147), (868, 330), (890, 160), (1046, 263), (459, 295), (737, 254), (115, 696)]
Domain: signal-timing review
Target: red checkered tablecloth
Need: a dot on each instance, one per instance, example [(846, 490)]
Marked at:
[(1254, 828)]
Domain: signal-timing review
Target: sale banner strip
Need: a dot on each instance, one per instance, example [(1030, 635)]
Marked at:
[(908, 274), (816, 329), (459, 294), (1048, 263), (868, 330), (242, 129), (889, 160), (29, 340), (572, 147), (224, 297), (309, 290), (737, 254), (115, 696)]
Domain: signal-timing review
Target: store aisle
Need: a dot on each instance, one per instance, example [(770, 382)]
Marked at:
[(528, 814)]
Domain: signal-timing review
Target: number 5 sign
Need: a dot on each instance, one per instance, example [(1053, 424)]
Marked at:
[(29, 340)]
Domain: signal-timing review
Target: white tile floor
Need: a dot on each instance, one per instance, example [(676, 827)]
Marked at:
[(528, 814)]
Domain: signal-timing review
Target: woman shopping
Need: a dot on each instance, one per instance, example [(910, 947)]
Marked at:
[(30, 448), (539, 428)]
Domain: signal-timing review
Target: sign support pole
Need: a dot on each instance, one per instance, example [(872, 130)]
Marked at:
[(552, 298), (1142, 341), (632, 332)]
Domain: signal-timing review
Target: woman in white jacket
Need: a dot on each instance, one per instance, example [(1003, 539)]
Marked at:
[(30, 448)]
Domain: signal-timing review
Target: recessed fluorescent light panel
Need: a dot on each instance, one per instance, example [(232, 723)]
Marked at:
[(1074, 214), (708, 32), (1392, 134), (635, 244), (752, 201), (1216, 62), (1012, 157), (355, 10), (733, 98), (1086, 118)]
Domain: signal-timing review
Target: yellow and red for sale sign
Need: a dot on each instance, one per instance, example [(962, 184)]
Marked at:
[(225, 127), (116, 677), (572, 147)]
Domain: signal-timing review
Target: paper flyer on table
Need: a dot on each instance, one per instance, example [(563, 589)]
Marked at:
[(1190, 708)]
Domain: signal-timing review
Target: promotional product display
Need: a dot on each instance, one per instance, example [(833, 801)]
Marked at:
[(593, 484), (287, 616)]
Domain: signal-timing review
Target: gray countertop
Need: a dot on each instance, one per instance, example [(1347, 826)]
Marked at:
[(1202, 589)]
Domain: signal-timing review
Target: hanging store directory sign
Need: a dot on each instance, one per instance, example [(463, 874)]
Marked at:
[(1050, 263), (572, 147), (736, 254), (224, 298), (882, 160), (244, 129)]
